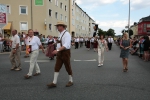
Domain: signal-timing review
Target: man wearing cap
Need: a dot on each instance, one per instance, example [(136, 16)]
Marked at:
[(63, 54)]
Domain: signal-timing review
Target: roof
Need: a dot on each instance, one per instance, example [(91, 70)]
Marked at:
[(145, 19)]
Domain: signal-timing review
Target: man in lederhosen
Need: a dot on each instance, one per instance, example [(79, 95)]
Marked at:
[(63, 54)]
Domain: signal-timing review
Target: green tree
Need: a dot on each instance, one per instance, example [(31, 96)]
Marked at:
[(100, 31), (110, 32)]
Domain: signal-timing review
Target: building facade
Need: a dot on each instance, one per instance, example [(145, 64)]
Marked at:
[(83, 23), (144, 26), (42, 15), (134, 28)]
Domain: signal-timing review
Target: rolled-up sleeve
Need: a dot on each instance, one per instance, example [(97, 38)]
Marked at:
[(67, 41)]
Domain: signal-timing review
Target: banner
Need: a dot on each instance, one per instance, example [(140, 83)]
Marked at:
[(3, 14), (39, 2), (3, 18)]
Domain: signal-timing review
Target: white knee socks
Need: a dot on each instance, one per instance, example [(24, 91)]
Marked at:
[(55, 77), (70, 78)]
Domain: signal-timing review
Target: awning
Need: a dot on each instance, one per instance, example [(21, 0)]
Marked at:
[(7, 27)]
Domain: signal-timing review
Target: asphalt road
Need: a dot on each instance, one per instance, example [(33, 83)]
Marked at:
[(90, 82)]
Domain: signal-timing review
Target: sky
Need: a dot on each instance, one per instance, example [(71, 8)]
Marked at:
[(114, 13)]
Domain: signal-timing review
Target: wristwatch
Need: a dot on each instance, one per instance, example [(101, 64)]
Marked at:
[(57, 50)]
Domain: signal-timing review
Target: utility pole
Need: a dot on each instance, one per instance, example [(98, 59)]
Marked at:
[(129, 19)]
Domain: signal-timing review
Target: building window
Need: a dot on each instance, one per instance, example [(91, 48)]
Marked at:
[(50, 27), (65, 8), (72, 12), (145, 25), (50, 12), (61, 17), (56, 15), (23, 26), (56, 28), (61, 5), (8, 9), (23, 9), (73, 22), (57, 3), (66, 18), (72, 2), (148, 25)]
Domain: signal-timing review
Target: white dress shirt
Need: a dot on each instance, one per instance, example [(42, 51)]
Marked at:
[(77, 40), (86, 39), (110, 40), (34, 42), (15, 40), (66, 40), (92, 40), (81, 39)]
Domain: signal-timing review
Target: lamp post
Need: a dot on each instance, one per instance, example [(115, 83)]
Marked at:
[(129, 19)]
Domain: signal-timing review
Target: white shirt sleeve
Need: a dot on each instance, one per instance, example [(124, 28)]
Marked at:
[(17, 39), (67, 40), (38, 41)]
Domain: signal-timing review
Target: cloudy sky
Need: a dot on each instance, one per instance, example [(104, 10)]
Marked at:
[(114, 13)]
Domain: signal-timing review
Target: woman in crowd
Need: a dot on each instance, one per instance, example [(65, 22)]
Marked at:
[(1, 43), (88, 44), (125, 44), (95, 44), (102, 45), (85, 39), (146, 48), (141, 47), (135, 46), (51, 47)]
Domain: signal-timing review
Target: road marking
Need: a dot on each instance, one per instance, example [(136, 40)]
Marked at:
[(85, 60), (39, 61), (49, 60)]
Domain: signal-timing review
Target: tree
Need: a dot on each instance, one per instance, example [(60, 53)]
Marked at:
[(130, 32), (110, 32), (100, 31)]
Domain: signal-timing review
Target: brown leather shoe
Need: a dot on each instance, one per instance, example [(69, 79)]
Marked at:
[(27, 77), (18, 69), (13, 68), (69, 84), (51, 85), (36, 74)]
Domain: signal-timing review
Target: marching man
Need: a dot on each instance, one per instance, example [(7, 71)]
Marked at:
[(63, 54)]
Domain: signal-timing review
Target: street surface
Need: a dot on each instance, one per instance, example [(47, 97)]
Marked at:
[(108, 82)]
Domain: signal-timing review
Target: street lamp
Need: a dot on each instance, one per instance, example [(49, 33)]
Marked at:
[(129, 18)]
